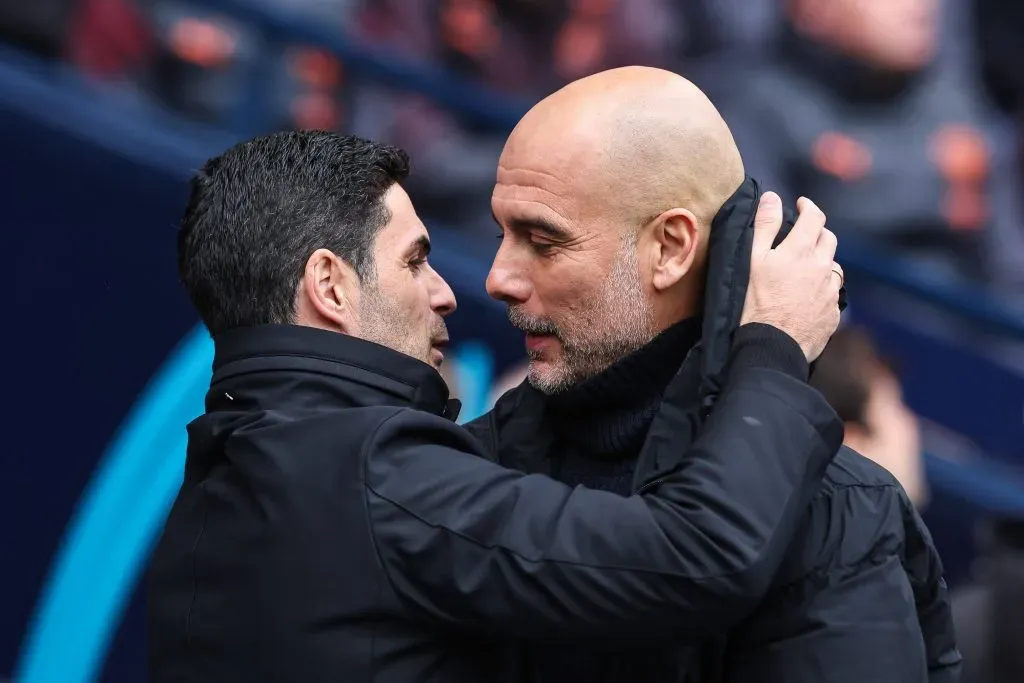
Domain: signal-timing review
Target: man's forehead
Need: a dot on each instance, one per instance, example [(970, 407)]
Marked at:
[(517, 206), (540, 190), (580, 208), (556, 153)]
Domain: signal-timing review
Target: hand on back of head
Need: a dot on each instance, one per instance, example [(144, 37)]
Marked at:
[(795, 286)]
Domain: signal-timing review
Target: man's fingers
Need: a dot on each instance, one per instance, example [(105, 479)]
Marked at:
[(809, 224), (838, 277), (827, 244), (767, 222), (825, 249)]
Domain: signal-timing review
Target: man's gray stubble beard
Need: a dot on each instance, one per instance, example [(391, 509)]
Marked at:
[(623, 317)]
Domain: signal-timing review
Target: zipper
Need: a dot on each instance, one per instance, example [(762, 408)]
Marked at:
[(648, 486)]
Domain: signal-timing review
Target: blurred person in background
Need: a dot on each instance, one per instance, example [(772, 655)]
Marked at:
[(865, 392), (856, 108), (623, 208), (334, 524)]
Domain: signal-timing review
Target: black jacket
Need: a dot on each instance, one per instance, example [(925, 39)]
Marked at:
[(335, 525), (860, 597)]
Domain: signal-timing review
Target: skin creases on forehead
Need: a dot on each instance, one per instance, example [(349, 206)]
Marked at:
[(571, 220)]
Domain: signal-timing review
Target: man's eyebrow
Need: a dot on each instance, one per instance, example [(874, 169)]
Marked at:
[(540, 225), (420, 246)]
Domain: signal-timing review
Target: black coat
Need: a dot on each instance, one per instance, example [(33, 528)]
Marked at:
[(860, 597), (335, 525)]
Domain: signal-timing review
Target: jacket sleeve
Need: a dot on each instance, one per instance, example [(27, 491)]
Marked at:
[(876, 610), (471, 544)]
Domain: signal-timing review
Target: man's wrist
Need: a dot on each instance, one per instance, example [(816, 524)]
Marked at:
[(758, 345)]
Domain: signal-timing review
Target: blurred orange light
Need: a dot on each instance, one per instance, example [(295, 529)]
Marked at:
[(592, 8), (317, 68), (316, 111), (468, 26), (961, 153), (202, 42)]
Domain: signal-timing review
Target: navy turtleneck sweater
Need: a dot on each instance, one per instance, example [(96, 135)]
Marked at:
[(600, 427)]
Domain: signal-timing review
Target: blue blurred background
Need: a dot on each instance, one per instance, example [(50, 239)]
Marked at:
[(902, 118)]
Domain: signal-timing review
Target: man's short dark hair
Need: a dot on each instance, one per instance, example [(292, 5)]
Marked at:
[(259, 210)]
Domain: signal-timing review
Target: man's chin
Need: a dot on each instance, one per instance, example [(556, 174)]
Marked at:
[(546, 377)]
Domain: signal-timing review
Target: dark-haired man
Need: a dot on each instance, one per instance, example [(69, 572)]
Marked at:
[(334, 524)]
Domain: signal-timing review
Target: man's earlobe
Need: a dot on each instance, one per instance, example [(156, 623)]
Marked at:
[(677, 236)]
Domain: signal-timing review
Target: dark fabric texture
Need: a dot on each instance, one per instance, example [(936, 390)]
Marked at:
[(601, 424)]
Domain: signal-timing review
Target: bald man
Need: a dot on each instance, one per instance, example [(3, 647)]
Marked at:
[(626, 223)]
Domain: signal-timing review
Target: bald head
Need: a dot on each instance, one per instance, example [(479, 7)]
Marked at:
[(604, 194), (646, 137)]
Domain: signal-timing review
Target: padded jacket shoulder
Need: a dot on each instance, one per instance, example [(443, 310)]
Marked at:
[(860, 596)]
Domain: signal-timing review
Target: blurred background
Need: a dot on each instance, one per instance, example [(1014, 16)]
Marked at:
[(903, 119)]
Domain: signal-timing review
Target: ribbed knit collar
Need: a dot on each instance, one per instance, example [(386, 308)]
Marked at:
[(608, 414)]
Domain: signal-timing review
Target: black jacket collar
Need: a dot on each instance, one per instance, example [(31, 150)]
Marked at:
[(387, 377), (729, 250)]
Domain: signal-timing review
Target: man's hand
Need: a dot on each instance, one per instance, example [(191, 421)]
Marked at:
[(795, 286)]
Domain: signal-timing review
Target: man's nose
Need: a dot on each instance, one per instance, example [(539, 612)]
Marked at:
[(505, 283), (442, 301)]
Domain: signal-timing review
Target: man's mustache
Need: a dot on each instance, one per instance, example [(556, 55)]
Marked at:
[(531, 325), (439, 332)]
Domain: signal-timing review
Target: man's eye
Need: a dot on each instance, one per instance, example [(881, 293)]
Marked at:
[(417, 263), (542, 248)]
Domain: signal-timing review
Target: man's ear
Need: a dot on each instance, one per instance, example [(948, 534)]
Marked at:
[(328, 295), (674, 243)]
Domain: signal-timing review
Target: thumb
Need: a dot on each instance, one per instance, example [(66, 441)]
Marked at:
[(767, 222)]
